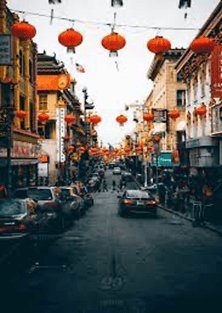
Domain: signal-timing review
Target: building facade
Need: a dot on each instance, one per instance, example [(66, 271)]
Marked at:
[(168, 94), (202, 75), (56, 98), (18, 156)]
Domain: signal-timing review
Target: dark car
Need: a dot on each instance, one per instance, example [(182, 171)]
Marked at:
[(127, 176), (75, 202), (50, 205), (137, 202), (82, 191), (17, 219), (88, 198)]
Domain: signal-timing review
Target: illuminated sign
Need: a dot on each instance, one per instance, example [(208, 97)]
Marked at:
[(53, 82)]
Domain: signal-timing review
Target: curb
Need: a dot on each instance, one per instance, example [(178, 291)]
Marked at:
[(191, 219)]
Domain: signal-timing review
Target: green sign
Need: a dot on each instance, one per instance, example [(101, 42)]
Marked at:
[(164, 159)]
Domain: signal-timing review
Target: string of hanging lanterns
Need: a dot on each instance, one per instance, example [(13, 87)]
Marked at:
[(112, 42)]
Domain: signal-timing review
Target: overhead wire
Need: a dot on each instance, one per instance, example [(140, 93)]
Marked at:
[(72, 20)]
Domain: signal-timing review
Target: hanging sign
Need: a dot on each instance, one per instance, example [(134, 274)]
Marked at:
[(216, 72), (160, 116)]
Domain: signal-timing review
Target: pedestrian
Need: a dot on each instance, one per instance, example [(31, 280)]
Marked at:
[(104, 185), (120, 185), (114, 185)]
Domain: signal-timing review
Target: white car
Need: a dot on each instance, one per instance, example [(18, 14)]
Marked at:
[(116, 171)]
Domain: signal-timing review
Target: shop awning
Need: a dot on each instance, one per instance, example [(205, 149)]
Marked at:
[(3, 162)]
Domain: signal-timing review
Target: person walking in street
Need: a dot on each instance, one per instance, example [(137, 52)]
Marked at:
[(114, 185), (104, 185)]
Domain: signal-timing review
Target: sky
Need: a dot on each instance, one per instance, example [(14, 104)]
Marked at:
[(113, 82)]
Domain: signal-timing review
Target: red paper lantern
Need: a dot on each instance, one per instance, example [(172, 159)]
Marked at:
[(95, 119), (175, 157), (23, 30), (113, 43), (69, 119), (139, 150), (201, 111), (159, 45), (150, 148), (202, 45), (70, 148), (43, 117), (82, 149), (21, 114), (93, 151), (148, 117), (156, 138), (121, 119), (67, 138), (70, 39), (174, 114)]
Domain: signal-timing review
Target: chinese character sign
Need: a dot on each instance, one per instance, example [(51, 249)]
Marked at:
[(216, 72)]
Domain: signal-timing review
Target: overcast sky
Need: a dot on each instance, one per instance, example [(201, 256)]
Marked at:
[(111, 88)]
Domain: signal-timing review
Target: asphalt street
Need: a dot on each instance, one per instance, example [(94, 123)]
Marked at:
[(105, 263)]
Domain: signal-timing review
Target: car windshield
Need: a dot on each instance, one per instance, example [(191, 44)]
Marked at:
[(65, 192), (21, 194), (40, 194), (12, 207), (138, 194)]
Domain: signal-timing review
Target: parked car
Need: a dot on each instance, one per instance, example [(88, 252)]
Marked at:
[(17, 219), (88, 198), (50, 205), (81, 192), (137, 202), (117, 170), (127, 176), (75, 202)]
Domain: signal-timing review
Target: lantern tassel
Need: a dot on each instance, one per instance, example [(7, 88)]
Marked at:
[(118, 3), (51, 16), (184, 4), (71, 50)]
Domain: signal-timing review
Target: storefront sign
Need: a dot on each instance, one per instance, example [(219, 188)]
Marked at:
[(200, 142), (217, 119), (160, 116), (53, 82), (23, 150), (43, 170), (216, 72), (5, 49), (164, 159), (202, 157)]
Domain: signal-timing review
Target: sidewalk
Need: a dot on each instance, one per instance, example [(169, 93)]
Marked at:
[(217, 228)]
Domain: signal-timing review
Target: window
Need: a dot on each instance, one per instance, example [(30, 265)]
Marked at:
[(181, 100), (31, 72), (21, 62), (43, 102), (179, 77), (22, 107)]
